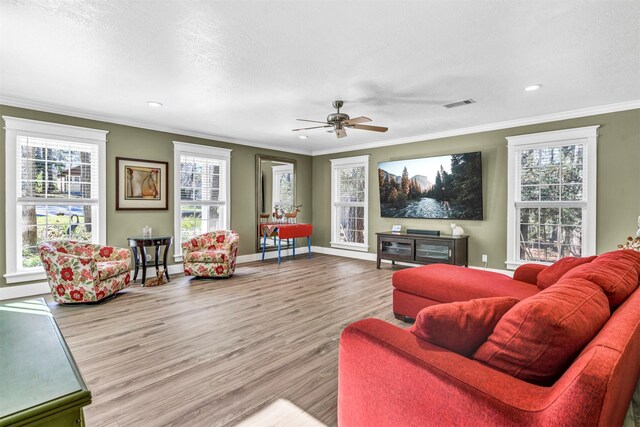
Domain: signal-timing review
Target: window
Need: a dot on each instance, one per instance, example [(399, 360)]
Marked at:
[(552, 196), (55, 181), (283, 186), (201, 185), (350, 203)]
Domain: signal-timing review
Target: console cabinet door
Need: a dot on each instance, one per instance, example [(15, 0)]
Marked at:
[(434, 251), (396, 248)]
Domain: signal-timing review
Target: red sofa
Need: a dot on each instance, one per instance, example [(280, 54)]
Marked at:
[(388, 376)]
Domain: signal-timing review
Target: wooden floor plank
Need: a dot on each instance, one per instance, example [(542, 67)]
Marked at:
[(214, 352)]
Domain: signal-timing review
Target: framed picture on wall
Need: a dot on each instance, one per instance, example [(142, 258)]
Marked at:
[(141, 184)]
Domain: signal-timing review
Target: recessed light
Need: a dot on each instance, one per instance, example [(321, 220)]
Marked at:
[(533, 87), (154, 104), (303, 136)]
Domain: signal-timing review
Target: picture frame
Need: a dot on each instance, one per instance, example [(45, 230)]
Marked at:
[(438, 187), (141, 184)]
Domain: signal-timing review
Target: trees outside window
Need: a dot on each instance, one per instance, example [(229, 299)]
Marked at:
[(201, 191), (350, 202), (55, 182), (552, 178), (282, 191)]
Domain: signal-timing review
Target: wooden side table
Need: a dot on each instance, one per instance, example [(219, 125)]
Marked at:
[(139, 247)]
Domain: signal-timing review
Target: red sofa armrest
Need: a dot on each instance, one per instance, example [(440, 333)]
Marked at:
[(528, 273), (389, 377)]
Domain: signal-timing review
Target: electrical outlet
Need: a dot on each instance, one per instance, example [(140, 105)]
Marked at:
[(484, 258)]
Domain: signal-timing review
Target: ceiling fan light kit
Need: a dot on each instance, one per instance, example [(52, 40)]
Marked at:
[(340, 121)]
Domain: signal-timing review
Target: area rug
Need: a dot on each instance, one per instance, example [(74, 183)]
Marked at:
[(281, 413)]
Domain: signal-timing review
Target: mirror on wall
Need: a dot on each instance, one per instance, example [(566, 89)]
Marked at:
[(275, 195)]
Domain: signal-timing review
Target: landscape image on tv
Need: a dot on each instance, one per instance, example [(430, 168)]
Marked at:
[(433, 187)]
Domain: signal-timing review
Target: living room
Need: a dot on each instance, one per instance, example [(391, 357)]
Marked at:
[(229, 82)]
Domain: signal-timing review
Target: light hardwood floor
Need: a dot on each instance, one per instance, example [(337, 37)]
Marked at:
[(214, 352)]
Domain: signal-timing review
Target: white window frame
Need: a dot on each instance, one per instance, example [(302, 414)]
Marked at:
[(17, 127), (336, 165), (275, 179), (183, 148), (587, 136)]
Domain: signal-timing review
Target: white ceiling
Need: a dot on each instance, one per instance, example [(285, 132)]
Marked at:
[(243, 71)]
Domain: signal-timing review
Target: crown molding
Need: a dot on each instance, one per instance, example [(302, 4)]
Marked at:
[(57, 109), (572, 114)]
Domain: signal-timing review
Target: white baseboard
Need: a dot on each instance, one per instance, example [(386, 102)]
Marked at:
[(40, 288), (22, 291), (272, 254), (367, 256), (32, 289), (344, 253), (151, 270), (303, 250)]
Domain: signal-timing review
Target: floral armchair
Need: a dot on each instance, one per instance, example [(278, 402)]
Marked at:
[(211, 255), (84, 272)]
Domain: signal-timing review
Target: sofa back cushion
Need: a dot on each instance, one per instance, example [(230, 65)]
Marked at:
[(538, 338), (461, 326), (615, 272), (555, 271), (628, 254)]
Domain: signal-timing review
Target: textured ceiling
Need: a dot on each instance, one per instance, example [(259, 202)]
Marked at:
[(245, 70)]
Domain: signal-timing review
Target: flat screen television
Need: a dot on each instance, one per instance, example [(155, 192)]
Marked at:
[(444, 187)]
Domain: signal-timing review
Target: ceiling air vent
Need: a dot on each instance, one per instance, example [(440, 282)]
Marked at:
[(459, 103)]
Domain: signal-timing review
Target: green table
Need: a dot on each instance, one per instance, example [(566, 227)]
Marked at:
[(39, 381)]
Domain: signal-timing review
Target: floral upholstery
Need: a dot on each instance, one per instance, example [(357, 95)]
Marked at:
[(211, 255), (109, 269), (84, 272)]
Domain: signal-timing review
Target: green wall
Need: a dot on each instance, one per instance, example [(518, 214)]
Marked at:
[(127, 141), (618, 180), (618, 204)]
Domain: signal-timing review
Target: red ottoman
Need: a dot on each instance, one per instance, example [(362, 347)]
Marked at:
[(420, 287)]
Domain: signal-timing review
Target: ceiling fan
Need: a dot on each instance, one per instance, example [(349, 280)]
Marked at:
[(341, 121)]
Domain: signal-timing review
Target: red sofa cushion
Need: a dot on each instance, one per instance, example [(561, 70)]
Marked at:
[(528, 273), (461, 326), (538, 338), (615, 272), (555, 271), (448, 283), (628, 254)]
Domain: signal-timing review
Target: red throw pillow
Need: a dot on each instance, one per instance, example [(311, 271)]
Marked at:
[(617, 276), (555, 271), (461, 326), (539, 338), (628, 254)]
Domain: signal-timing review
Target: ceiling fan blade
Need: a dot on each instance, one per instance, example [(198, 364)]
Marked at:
[(312, 121), (367, 127), (341, 133), (313, 127), (357, 120)]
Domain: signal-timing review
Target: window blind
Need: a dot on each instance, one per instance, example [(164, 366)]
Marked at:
[(60, 172), (202, 179)]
